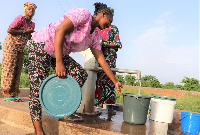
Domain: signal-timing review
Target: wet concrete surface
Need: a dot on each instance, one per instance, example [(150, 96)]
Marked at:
[(116, 123), (104, 121)]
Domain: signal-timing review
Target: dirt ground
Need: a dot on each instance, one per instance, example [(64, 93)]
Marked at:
[(166, 92)]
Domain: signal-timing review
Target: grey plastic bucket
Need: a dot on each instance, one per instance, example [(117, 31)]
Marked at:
[(135, 108)]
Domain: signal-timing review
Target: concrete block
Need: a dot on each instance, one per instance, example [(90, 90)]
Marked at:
[(66, 128)]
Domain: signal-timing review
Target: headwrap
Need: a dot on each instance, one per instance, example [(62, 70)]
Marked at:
[(27, 4), (112, 10)]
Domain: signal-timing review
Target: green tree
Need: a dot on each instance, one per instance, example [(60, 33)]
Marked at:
[(130, 80), (145, 83), (148, 78), (120, 78), (169, 85), (24, 79), (155, 83), (191, 84), (161, 86), (150, 81)]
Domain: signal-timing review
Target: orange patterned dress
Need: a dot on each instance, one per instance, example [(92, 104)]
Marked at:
[(13, 52)]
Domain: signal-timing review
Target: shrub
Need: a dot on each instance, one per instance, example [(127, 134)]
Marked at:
[(130, 80), (24, 81), (178, 87)]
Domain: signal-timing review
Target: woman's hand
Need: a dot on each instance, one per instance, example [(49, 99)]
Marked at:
[(29, 30), (60, 69), (118, 86)]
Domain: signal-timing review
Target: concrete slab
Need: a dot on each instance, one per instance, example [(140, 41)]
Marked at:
[(15, 117)]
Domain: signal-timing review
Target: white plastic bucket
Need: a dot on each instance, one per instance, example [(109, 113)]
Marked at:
[(162, 110)]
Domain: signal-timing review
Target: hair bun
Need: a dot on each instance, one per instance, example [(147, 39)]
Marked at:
[(99, 6)]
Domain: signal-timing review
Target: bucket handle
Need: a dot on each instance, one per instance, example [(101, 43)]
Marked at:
[(185, 117), (140, 102)]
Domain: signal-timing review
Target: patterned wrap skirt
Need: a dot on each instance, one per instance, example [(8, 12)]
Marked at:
[(39, 66)]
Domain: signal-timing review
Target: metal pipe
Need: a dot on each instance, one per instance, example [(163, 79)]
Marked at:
[(88, 95), (139, 87), (119, 71)]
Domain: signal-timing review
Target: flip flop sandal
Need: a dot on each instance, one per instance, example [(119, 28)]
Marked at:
[(9, 99), (73, 118), (18, 100)]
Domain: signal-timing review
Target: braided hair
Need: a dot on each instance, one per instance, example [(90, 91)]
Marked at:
[(100, 7)]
